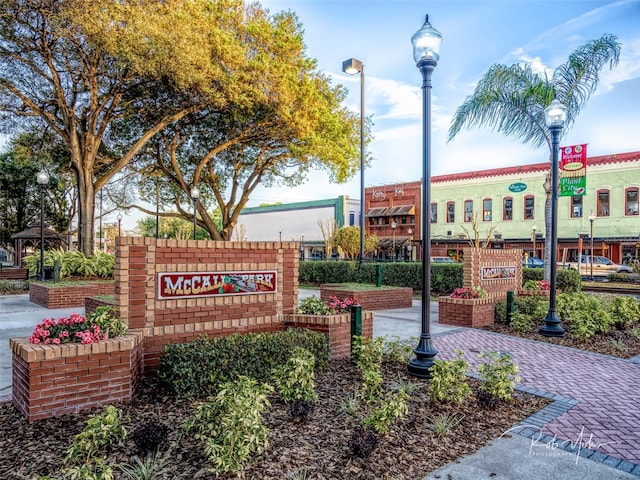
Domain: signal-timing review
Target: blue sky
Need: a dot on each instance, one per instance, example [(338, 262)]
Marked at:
[(476, 35)]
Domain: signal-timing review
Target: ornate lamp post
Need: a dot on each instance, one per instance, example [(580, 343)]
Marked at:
[(555, 116), (533, 229), (592, 217), (426, 47), (195, 195), (43, 181), (351, 67), (120, 225)]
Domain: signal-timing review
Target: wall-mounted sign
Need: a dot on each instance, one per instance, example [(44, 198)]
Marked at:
[(497, 273), (206, 284), (517, 187)]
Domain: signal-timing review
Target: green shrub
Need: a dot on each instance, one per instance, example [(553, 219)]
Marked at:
[(625, 311), (84, 458), (633, 278), (498, 374), (449, 380), (294, 379), (105, 317), (74, 263), (444, 277), (230, 425), (528, 310), (383, 415), (313, 305), (13, 286), (568, 281), (368, 356), (585, 315), (197, 369), (532, 275)]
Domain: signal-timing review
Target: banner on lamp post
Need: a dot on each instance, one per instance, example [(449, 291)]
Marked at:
[(573, 171)]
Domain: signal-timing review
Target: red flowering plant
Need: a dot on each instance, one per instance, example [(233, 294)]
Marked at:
[(469, 292), (342, 306), (99, 325)]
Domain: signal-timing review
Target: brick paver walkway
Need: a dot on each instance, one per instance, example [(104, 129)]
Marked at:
[(606, 417)]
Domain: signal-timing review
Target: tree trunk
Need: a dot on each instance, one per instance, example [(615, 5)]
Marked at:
[(86, 201)]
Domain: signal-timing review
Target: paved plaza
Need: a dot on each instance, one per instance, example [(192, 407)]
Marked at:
[(590, 432)]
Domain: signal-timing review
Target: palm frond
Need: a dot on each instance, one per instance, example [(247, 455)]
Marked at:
[(575, 80), (509, 100)]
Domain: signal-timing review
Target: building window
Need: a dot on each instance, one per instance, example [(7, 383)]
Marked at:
[(468, 210), (576, 207), (352, 218), (631, 201), (434, 213), (451, 212), (412, 219), (507, 208), (487, 207), (529, 210), (603, 203)]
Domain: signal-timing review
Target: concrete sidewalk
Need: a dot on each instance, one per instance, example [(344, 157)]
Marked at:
[(590, 432)]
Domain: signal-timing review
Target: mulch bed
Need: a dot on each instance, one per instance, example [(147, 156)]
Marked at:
[(315, 449)]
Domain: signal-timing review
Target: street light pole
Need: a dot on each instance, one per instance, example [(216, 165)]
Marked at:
[(555, 116), (534, 228), (195, 195), (426, 46), (302, 246), (592, 217), (351, 67), (42, 179), (393, 229), (120, 225)]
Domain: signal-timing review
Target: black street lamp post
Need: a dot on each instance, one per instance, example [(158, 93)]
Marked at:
[(43, 180), (195, 195), (555, 116), (592, 217), (534, 229), (120, 225), (351, 67), (426, 46)]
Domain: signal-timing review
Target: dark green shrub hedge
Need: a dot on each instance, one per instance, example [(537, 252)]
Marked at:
[(197, 369), (445, 278), (569, 281), (535, 274), (624, 278)]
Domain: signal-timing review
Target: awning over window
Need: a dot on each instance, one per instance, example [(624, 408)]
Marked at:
[(376, 212), (384, 242), (391, 211), (401, 210)]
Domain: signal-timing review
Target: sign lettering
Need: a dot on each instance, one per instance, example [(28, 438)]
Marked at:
[(206, 284)]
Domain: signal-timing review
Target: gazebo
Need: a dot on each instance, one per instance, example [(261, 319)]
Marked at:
[(31, 238)]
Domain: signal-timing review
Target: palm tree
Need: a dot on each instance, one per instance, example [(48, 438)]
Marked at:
[(512, 99)]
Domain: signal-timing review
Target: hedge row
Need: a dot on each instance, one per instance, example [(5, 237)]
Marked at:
[(445, 278)]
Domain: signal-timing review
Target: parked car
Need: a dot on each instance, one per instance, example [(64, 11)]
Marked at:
[(602, 266), (442, 260), (533, 262)]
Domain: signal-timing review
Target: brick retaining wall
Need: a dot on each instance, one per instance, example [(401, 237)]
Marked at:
[(14, 273), (58, 296), (52, 380), (463, 312), (374, 299), (91, 303)]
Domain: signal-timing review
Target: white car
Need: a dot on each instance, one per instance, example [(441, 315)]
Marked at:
[(602, 266)]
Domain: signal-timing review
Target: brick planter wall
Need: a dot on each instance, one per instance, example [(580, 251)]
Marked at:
[(52, 380), (164, 321), (463, 312), (336, 327), (91, 303), (374, 299), (14, 273), (475, 259), (52, 296)]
